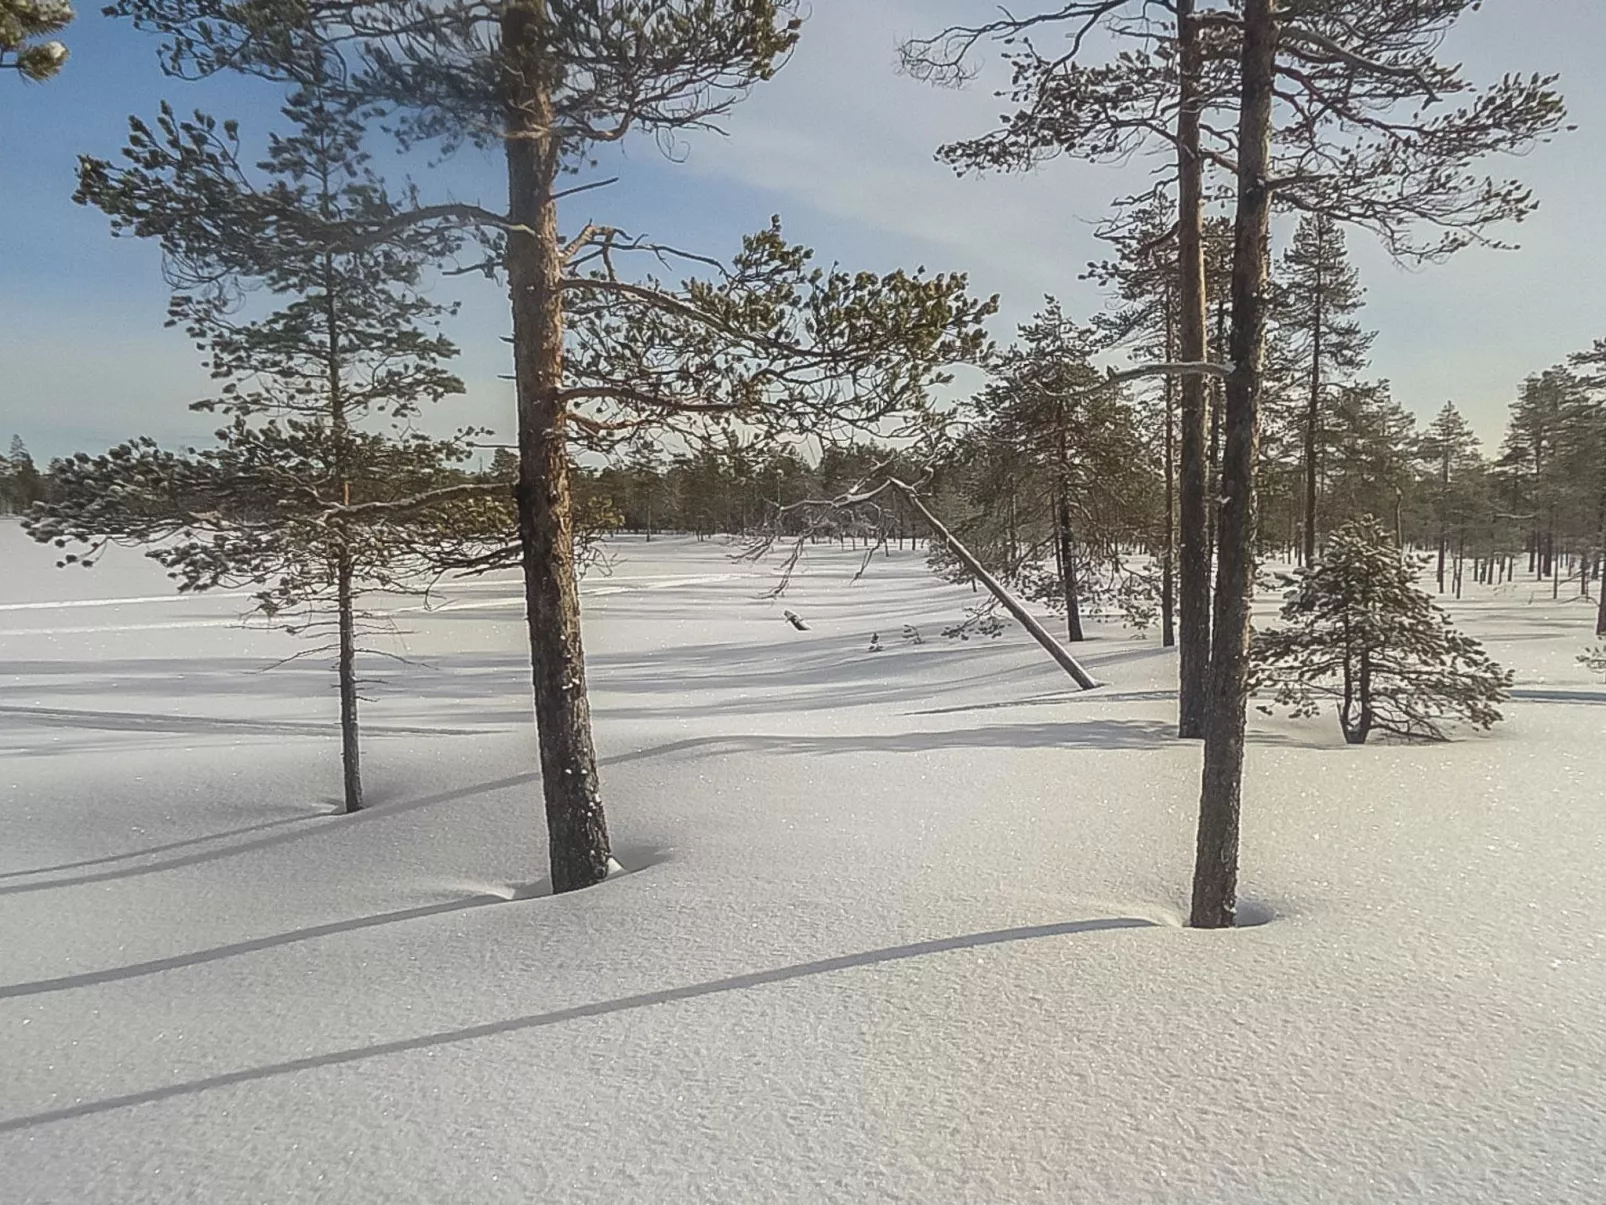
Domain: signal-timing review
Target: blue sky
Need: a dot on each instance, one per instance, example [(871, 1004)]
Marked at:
[(841, 147)]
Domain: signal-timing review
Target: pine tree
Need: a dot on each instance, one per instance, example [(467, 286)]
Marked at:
[(1359, 632), (21, 484), (1450, 449), (1055, 474), (297, 499), (1591, 365), (22, 24), (600, 355), (1535, 436), (1155, 85), (1315, 296)]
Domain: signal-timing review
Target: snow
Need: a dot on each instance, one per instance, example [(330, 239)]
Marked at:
[(895, 926)]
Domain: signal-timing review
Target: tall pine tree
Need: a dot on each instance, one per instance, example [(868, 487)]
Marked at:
[(1317, 292), (297, 499)]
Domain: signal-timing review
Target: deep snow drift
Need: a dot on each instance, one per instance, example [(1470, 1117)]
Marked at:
[(902, 926)]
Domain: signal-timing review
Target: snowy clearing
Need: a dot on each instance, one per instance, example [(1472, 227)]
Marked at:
[(899, 926)]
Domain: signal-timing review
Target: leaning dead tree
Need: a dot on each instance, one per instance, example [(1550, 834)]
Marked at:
[(864, 500)]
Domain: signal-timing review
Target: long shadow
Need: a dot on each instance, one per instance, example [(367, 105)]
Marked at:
[(192, 725), (367, 816), (1093, 734), (1523, 695), (602, 1008), (137, 970), (159, 849), (1055, 699)]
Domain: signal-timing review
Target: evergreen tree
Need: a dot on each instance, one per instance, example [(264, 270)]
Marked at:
[(1370, 443), (21, 484), (771, 342), (1535, 435), (1359, 632), (297, 499), (22, 24), (1591, 457), (1058, 471), (1450, 450), (1315, 296), (1155, 85)]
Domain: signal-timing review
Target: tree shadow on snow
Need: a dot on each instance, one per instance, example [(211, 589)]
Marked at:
[(1084, 734), (635, 859), (743, 982), (368, 815)]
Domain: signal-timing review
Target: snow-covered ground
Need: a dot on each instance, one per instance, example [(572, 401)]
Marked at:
[(903, 926)]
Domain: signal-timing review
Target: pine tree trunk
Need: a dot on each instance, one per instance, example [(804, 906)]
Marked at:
[(1193, 611), (1313, 418), (1168, 571), (1363, 726), (1067, 558), (576, 827), (1215, 880), (1444, 513), (1213, 468), (1600, 576), (350, 745)]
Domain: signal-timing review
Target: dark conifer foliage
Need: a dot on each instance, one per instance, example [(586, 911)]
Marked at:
[(603, 354), (299, 499), (1359, 633)]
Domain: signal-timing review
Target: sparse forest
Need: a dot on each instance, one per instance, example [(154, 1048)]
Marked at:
[(1134, 463), (530, 675)]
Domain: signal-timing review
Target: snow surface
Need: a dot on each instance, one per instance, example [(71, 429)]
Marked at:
[(898, 926)]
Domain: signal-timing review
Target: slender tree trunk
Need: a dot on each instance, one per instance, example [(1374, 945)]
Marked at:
[(350, 744), (576, 828), (1357, 733), (1600, 576), (1213, 476), (1444, 514), (1193, 566), (1215, 880), (1062, 525), (1010, 603), (1313, 419), (345, 568), (1168, 569), (1067, 557)]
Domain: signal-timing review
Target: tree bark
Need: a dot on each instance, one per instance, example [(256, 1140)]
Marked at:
[(1600, 576), (350, 744), (345, 595), (1215, 880), (576, 827), (1062, 526), (1067, 558), (1193, 564), (1444, 512), (1313, 419), (1168, 568), (978, 574)]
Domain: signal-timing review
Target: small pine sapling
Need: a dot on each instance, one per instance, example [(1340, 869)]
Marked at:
[(1359, 632)]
